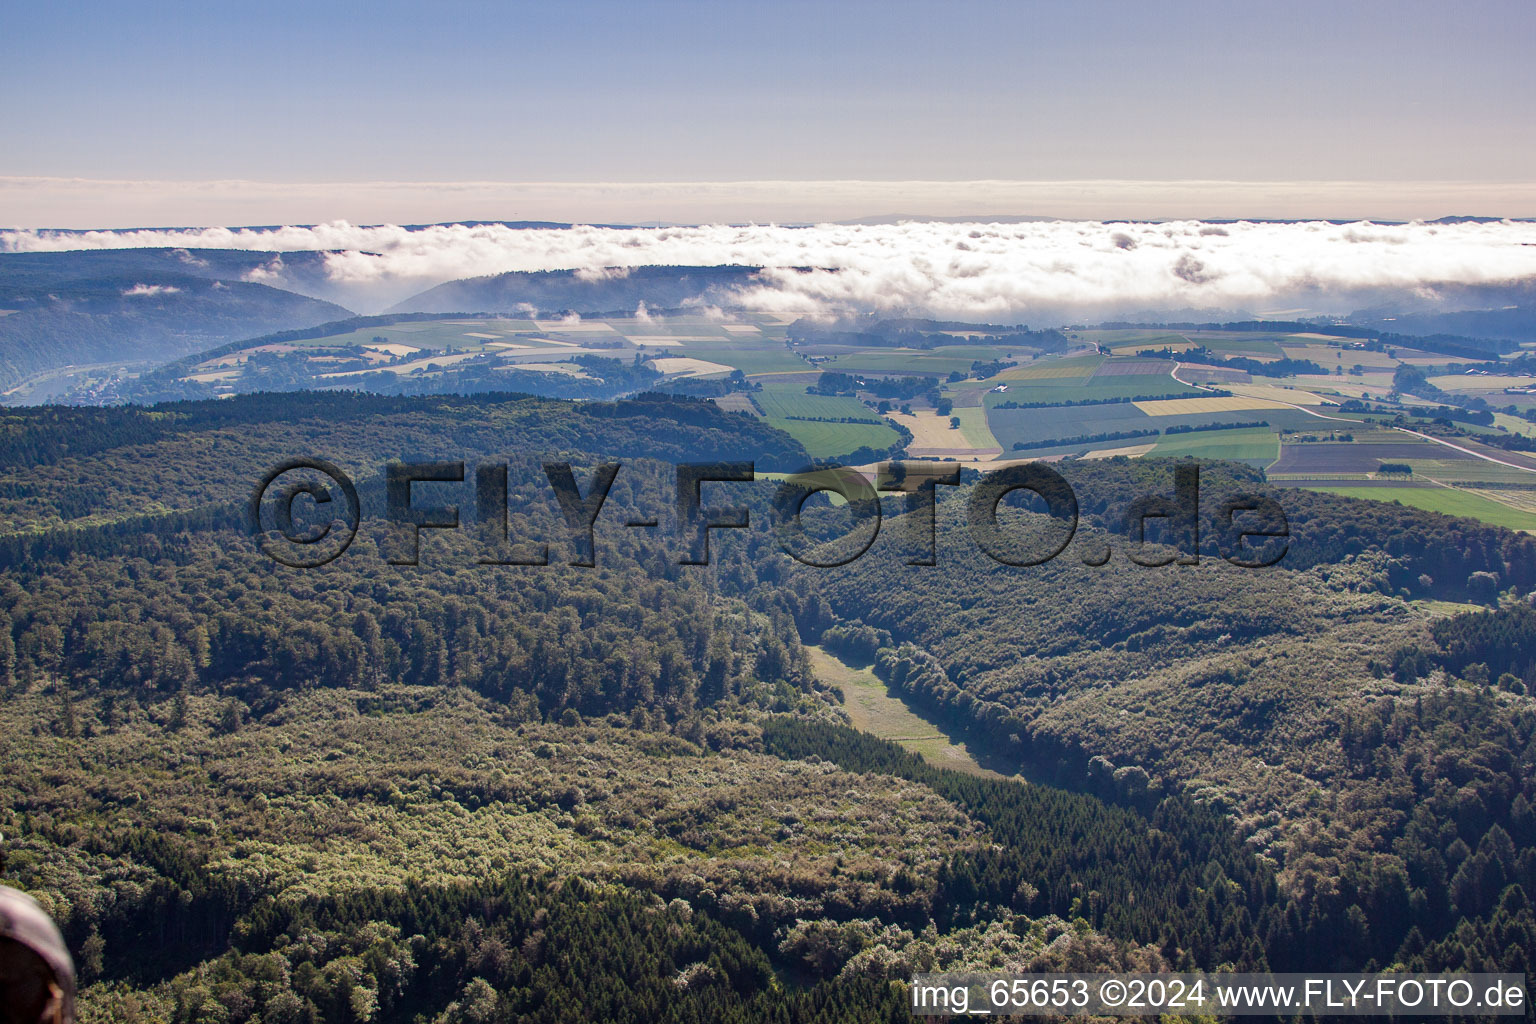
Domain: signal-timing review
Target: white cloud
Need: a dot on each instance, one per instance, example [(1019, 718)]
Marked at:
[(996, 270), (150, 290)]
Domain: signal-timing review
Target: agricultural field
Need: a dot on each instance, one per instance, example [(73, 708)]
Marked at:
[(1239, 343), (753, 357), (689, 366), (469, 335), (701, 346), (1031, 426), (1480, 382), (1460, 469), (1515, 424), (1276, 393), (936, 362), (933, 437), (1331, 355), (754, 345), (812, 420), (1191, 406), (1520, 498), (973, 427), (1132, 340), (1451, 501), (1130, 451), (1257, 446), (1057, 370), (1324, 349), (1134, 368), (1095, 388), (969, 352), (736, 401), (1324, 457)]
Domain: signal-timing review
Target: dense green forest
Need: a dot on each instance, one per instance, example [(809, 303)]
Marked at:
[(459, 791)]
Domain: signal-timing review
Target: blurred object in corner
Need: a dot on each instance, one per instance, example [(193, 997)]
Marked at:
[(37, 976)]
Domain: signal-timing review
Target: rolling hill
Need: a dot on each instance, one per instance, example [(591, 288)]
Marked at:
[(610, 290)]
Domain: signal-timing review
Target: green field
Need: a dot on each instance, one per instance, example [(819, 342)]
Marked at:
[(1080, 389), (1255, 445), (789, 408), (938, 362), (1514, 424), (973, 427), (1238, 343), (755, 356), (1448, 500), (1467, 469), (871, 708), (1241, 343), (1146, 337)]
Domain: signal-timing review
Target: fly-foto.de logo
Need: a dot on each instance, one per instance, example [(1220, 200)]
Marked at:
[(1252, 528)]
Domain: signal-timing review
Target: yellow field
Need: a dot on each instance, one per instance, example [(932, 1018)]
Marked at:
[(393, 348), (572, 326), (1350, 387), (1325, 355), (930, 430), (1130, 451), (1191, 406), (1475, 382), (736, 401), (417, 364), (689, 367), (932, 433), (1275, 393)]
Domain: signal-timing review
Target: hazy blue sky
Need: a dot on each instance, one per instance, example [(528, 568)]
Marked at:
[(720, 91)]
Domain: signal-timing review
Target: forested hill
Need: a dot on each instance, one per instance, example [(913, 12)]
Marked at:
[(465, 791), (136, 317), (303, 272), (619, 288), (92, 467), (1384, 758)]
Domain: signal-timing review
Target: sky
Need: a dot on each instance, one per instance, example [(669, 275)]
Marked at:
[(122, 114)]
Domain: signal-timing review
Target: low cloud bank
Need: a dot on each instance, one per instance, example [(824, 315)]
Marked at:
[(150, 290), (1033, 271)]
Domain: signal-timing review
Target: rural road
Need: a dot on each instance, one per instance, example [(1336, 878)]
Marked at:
[(1468, 451), (1174, 373)]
